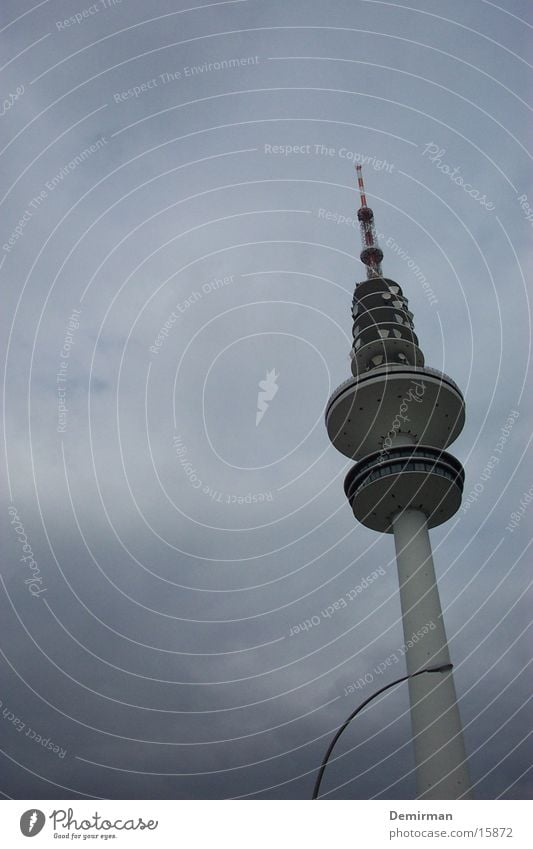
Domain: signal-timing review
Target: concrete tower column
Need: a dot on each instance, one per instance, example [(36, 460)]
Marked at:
[(442, 770)]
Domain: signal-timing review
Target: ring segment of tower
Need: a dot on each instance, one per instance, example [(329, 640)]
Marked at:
[(395, 415)]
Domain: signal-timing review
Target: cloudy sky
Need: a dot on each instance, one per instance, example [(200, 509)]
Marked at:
[(168, 170)]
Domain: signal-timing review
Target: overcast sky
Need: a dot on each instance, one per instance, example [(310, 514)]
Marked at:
[(168, 171)]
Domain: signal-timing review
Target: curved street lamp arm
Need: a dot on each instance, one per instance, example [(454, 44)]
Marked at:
[(443, 668)]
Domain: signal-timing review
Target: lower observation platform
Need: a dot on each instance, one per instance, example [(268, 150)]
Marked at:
[(367, 412), (406, 478)]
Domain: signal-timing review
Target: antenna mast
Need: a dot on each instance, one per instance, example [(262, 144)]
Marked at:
[(371, 255)]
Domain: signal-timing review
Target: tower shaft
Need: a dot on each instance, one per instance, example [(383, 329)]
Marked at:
[(442, 769)]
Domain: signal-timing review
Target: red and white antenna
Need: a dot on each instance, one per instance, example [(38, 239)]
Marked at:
[(371, 255)]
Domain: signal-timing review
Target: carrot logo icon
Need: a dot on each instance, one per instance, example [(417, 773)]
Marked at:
[(32, 822), (268, 388)]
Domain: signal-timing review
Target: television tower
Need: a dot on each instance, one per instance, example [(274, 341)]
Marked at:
[(395, 416)]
